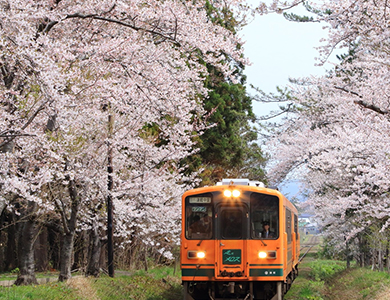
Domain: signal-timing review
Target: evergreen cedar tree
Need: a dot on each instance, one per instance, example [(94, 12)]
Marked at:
[(229, 148)]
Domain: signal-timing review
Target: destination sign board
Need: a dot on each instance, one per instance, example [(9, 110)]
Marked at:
[(231, 257), (199, 209), (200, 199)]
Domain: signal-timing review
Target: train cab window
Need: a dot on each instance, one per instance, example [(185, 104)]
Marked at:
[(264, 216), (232, 224), (199, 217)]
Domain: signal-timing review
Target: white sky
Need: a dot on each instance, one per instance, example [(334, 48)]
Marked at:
[(278, 50)]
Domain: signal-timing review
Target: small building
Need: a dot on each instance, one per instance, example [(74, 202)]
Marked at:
[(307, 224)]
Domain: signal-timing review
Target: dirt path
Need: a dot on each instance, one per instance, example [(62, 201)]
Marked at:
[(83, 287), (385, 295)]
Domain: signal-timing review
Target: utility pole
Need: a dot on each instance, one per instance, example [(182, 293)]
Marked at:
[(110, 247)]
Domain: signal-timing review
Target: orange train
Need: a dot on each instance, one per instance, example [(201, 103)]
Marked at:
[(239, 240)]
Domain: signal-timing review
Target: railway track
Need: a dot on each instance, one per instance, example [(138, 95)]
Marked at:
[(309, 244), (307, 251)]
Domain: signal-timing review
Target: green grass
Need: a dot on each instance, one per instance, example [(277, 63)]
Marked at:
[(359, 283), (322, 270), (331, 280), (157, 284), (318, 280), (314, 274), (138, 287), (14, 275), (160, 272), (45, 291), (8, 277)]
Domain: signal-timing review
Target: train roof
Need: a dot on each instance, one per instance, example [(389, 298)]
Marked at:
[(240, 181), (252, 185)]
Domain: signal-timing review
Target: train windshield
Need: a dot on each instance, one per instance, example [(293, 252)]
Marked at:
[(199, 217), (232, 223), (264, 216)]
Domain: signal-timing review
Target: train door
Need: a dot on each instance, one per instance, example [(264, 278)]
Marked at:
[(231, 241)]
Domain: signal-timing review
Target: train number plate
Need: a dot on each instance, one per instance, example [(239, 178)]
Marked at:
[(231, 257)]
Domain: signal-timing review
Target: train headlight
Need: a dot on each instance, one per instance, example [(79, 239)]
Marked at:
[(236, 193), (230, 193), (196, 254), (227, 193), (262, 254), (267, 254)]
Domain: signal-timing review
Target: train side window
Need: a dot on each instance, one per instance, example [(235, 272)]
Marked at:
[(264, 216), (296, 227), (288, 225), (199, 218)]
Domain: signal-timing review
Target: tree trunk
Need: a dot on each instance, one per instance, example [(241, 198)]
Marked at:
[(28, 231), (41, 251), (66, 257), (110, 185), (54, 240), (3, 241), (94, 252), (348, 255), (362, 255), (380, 258), (69, 233), (387, 256), (2, 206), (145, 259), (11, 253), (374, 255), (80, 251)]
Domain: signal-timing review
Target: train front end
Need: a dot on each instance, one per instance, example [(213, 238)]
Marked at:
[(234, 243)]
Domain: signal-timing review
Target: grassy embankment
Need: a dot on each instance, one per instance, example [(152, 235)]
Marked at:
[(158, 284), (330, 280), (318, 280)]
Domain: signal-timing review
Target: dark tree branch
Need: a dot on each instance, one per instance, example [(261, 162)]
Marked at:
[(283, 111), (14, 135), (372, 107), (29, 121), (363, 103), (136, 28), (348, 91)]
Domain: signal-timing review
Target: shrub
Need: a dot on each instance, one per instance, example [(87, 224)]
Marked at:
[(325, 269)]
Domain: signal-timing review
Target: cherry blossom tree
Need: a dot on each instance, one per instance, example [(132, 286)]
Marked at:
[(338, 137), (67, 68)]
